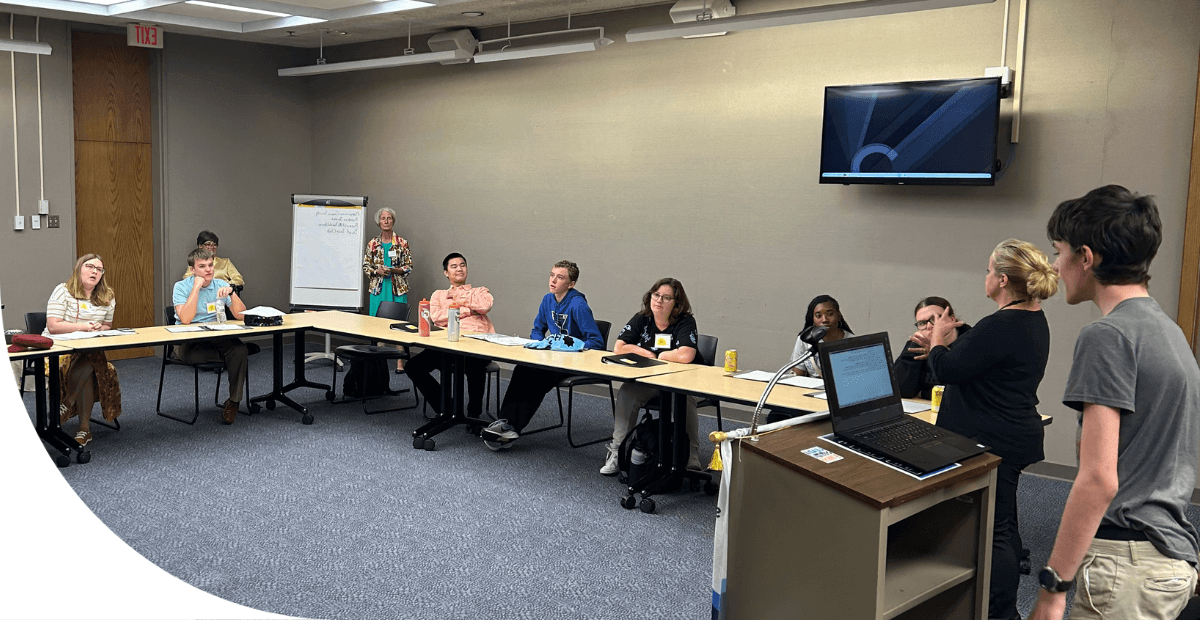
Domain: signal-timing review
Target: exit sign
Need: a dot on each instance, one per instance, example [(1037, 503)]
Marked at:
[(140, 35)]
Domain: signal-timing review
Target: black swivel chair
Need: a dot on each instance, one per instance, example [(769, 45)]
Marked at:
[(365, 352), (35, 323), (570, 383), (169, 359), (707, 349)]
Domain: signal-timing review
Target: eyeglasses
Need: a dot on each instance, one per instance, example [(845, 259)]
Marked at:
[(209, 245), (92, 267), (926, 322), (666, 299)]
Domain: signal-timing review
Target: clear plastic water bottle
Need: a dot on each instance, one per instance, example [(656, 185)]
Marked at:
[(220, 318), (452, 324)]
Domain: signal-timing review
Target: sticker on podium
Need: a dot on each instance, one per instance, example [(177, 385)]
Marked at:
[(823, 455)]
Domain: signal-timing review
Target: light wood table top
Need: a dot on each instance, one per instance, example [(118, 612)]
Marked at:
[(582, 362), (39, 353), (714, 382), (158, 334)]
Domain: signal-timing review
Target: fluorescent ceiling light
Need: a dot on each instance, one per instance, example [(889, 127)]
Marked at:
[(99, 2), (231, 7), (28, 47), (377, 63), (546, 49), (829, 12)]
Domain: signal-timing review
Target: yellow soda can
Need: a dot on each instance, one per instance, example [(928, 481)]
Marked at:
[(937, 397), (731, 360)]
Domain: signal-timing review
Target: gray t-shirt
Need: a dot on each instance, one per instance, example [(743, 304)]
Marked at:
[(1137, 361)]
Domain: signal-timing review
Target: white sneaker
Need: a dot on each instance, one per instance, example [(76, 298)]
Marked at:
[(499, 431), (610, 463)]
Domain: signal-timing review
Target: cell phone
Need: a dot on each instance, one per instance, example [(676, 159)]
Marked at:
[(405, 327)]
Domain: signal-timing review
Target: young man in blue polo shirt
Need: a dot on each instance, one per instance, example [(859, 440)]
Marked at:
[(201, 298), (1124, 542)]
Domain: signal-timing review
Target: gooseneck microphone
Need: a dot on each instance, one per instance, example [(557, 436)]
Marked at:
[(811, 336)]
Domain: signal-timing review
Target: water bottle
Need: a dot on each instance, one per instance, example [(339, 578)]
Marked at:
[(423, 318), (637, 457), (452, 327), (220, 318)]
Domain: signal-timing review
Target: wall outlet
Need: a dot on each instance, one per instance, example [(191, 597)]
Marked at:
[(51, 221), (43, 207), (19, 223), (35, 222)]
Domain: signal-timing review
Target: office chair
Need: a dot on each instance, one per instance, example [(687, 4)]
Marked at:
[(365, 353), (169, 359), (707, 349)]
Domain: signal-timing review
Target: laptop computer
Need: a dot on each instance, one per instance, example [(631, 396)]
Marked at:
[(865, 408)]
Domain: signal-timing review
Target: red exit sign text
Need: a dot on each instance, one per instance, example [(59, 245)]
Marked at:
[(140, 35)]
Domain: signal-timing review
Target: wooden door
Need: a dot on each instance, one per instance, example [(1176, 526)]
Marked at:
[(113, 200)]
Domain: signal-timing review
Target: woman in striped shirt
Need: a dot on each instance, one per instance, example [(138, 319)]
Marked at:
[(84, 303)]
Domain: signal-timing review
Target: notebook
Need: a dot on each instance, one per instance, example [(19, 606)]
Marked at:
[(865, 407)]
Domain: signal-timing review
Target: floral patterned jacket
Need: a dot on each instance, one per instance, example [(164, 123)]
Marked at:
[(401, 257)]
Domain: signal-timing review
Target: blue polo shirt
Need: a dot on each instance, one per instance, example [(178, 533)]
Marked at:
[(206, 300)]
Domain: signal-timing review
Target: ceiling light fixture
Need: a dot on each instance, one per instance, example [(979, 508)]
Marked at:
[(829, 12), (377, 63), (27, 47), (472, 14), (547, 49), (231, 7)]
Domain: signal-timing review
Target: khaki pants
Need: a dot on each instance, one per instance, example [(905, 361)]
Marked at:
[(1130, 579)]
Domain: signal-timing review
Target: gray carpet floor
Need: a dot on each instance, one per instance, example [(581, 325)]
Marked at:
[(343, 519)]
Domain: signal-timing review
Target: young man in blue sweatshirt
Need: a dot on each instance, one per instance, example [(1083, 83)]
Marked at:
[(564, 310)]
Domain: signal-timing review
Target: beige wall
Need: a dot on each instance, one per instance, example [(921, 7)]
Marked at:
[(698, 159)]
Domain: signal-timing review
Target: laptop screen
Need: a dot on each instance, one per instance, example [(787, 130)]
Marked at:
[(861, 374)]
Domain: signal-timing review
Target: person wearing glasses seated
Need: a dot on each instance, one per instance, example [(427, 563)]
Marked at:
[(84, 303), (663, 329), (223, 267), (915, 377), (823, 310)]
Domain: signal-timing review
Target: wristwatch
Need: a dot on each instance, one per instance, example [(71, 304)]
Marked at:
[(1049, 581)]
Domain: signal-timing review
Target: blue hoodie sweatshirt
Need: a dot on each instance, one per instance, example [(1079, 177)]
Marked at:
[(577, 315)]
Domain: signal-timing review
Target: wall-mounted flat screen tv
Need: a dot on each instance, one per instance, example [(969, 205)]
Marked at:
[(940, 132)]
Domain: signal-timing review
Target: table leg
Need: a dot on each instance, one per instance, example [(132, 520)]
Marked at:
[(48, 426), (278, 390), (453, 404)]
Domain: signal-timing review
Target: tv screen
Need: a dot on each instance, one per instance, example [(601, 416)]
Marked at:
[(939, 132)]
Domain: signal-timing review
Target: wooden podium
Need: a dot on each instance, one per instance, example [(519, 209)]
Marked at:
[(854, 538)]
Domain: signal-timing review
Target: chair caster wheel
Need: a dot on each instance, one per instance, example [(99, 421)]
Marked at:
[(83, 457), (429, 445), (271, 405), (418, 443), (628, 502), (307, 419), (711, 488), (62, 460), (329, 396), (646, 506), (622, 479), (255, 408)]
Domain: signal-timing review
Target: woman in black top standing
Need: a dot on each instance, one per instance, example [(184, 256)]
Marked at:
[(991, 377)]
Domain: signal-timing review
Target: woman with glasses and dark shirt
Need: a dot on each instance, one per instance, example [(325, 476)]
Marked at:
[(825, 311), (663, 329), (84, 303), (223, 267), (913, 374)]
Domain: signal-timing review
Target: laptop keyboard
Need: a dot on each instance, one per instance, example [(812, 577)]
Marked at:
[(901, 435)]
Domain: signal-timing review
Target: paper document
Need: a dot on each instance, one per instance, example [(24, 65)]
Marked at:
[(501, 339), (86, 335), (264, 311), (793, 380), (820, 395), (914, 407), (185, 328), (223, 327)]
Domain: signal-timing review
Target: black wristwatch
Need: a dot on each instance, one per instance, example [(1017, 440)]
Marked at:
[(1049, 581)]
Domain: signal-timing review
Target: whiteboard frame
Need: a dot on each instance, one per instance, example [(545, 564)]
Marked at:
[(318, 298)]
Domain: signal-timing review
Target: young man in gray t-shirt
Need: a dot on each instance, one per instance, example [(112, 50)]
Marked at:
[(1124, 540)]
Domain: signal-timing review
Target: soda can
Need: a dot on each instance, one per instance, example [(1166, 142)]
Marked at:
[(731, 360), (936, 401)]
